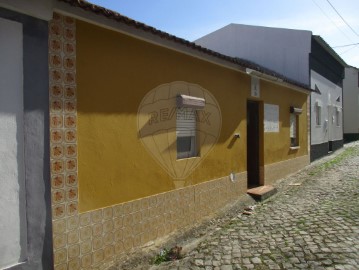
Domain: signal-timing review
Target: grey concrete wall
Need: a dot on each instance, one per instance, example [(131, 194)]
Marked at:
[(351, 101), (12, 172), (285, 51), (41, 9), (36, 146)]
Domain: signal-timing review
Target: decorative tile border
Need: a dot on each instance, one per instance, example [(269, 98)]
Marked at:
[(97, 239), (63, 141)]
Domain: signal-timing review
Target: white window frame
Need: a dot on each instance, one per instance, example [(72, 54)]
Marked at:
[(186, 128), (337, 116), (318, 114), (186, 125), (294, 130), (294, 127)]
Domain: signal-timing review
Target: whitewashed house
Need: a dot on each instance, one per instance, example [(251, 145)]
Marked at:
[(351, 104), (301, 56)]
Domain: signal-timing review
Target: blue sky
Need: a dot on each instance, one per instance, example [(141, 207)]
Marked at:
[(191, 19)]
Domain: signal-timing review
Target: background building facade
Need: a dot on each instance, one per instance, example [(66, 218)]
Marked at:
[(300, 56)]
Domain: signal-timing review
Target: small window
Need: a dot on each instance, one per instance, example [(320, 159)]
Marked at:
[(186, 146), (318, 114), (337, 117), (294, 128), (186, 133)]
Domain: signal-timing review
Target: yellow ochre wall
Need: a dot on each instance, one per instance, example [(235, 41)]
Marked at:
[(277, 145), (114, 73)]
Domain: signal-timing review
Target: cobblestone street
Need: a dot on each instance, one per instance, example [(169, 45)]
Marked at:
[(311, 223)]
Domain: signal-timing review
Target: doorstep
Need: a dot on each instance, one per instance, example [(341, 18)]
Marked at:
[(262, 193)]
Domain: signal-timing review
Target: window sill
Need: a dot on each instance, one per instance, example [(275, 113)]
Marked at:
[(294, 147), (187, 158)]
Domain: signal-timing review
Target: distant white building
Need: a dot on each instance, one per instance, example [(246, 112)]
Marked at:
[(351, 104), (298, 55)]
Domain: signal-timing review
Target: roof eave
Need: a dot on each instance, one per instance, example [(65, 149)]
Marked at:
[(330, 50), (162, 39), (105, 18)]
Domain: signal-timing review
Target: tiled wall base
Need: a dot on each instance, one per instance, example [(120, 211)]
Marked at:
[(281, 169), (97, 239)]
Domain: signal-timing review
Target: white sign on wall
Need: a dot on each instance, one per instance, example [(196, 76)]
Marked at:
[(271, 118), (255, 87)]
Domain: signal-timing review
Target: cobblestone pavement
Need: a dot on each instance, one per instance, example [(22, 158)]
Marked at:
[(311, 223)]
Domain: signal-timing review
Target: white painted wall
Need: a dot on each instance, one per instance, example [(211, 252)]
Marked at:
[(328, 130), (351, 100), (41, 9), (12, 199), (285, 51)]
